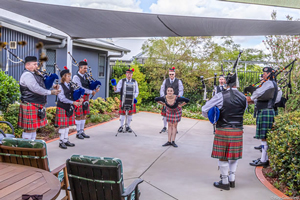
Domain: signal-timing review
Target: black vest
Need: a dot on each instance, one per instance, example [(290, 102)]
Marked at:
[(123, 81), (84, 82), (31, 97), (231, 114), (69, 95), (175, 85), (269, 102)]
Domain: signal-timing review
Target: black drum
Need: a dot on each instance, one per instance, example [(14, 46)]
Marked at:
[(128, 95)]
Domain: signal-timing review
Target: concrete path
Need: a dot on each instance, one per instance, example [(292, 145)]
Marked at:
[(185, 173)]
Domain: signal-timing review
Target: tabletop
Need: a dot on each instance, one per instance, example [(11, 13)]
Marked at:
[(16, 180)]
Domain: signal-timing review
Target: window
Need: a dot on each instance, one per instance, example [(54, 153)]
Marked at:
[(51, 54), (102, 62)]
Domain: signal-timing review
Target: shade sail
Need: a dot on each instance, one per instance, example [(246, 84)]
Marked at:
[(80, 22)]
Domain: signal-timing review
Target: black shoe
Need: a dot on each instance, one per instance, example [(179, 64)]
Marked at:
[(62, 145), (174, 145), (163, 130), (221, 185), (259, 163), (167, 144), (128, 129), (232, 184), (258, 148), (84, 135), (256, 160), (120, 129), (79, 136), (69, 144)]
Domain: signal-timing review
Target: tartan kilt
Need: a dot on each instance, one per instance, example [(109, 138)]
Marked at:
[(163, 111), (123, 112), (61, 119), (173, 114), (264, 122), (228, 144), (79, 111), (28, 117)]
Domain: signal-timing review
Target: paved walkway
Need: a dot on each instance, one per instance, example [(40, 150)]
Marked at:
[(185, 173)]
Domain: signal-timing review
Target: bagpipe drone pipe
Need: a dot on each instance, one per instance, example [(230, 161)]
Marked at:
[(78, 92)]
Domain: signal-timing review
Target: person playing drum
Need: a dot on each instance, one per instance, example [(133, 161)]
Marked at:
[(173, 105), (120, 89)]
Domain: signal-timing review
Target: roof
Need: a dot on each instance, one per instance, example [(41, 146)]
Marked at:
[(96, 23)]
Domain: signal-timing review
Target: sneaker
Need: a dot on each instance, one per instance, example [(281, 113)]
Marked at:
[(79, 136), (174, 145), (167, 144), (163, 130), (128, 129), (62, 145), (120, 129), (69, 144), (221, 185)]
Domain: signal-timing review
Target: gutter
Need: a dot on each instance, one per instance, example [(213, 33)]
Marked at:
[(57, 46)]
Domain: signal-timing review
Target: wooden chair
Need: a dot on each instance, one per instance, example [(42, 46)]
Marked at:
[(32, 153), (99, 178), (6, 135)]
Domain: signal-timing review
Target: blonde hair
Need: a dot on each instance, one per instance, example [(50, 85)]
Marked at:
[(63, 79)]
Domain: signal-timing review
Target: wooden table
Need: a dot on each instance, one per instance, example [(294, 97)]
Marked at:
[(16, 180)]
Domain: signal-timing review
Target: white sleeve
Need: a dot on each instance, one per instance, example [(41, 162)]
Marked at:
[(27, 79), (62, 96), (180, 85), (260, 91), (162, 89), (217, 100), (119, 86), (76, 79), (136, 90)]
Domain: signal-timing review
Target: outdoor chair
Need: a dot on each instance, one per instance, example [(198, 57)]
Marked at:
[(99, 178), (6, 135), (32, 153)]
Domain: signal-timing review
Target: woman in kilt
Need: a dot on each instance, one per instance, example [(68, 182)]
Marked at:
[(173, 105), (228, 141), (65, 116)]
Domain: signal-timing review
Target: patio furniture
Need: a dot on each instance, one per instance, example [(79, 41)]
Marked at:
[(6, 135)]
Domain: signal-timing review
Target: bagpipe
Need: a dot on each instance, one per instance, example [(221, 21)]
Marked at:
[(94, 84), (78, 92), (49, 78)]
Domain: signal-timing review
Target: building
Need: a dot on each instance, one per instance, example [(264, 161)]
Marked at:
[(97, 52)]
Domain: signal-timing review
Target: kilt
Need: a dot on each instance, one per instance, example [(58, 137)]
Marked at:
[(79, 111), (228, 144), (163, 111), (173, 115), (28, 117), (123, 112), (61, 119), (264, 122)]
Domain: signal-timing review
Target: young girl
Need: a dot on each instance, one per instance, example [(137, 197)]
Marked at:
[(65, 116), (173, 113)]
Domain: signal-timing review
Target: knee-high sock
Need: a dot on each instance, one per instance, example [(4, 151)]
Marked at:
[(82, 124), (33, 135), (66, 136), (129, 118), (122, 119), (232, 169), (61, 135), (78, 125), (165, 121), (264, 151), (26, 135), (224, 167)]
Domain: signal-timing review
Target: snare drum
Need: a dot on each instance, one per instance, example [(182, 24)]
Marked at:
[(128, 95)]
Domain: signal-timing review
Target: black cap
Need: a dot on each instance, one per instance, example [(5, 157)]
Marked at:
[(268, 69), (230, 79), (84, 62), (30, 59), (65, 71), (172, 69)]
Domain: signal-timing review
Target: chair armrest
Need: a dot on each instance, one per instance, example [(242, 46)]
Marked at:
[(9, 124), (58, 169), (131, 187), (2, 133)]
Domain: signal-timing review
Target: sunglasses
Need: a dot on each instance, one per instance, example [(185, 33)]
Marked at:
[(171, 74)]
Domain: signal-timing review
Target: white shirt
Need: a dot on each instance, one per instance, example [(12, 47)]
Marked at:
[(119, 87), (180, 87), (76, 79), (217, 100), (260, 91), (28, 80), (62, 96)]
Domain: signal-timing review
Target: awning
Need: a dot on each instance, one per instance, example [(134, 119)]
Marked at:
[(80, 22)]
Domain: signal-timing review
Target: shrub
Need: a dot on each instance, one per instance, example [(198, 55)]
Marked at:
[(9, 90), (284, 150), (249, 119), (11, 115), (96, 118), (51, 112)]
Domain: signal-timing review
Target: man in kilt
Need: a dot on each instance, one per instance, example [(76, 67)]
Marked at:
[(32, 113), (65, 116), (81, 79), (264, 98), (228, 140), (178, 90), (122, 111)]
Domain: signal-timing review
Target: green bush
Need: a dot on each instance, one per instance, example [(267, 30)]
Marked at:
[(284, 150), (51, 112), (96, 118), (9, 90), (11, 115), (249, 119)]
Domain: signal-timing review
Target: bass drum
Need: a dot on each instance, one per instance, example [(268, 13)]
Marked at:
[(128, 95)]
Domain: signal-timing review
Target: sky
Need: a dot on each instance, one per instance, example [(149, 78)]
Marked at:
[(200, 8)]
